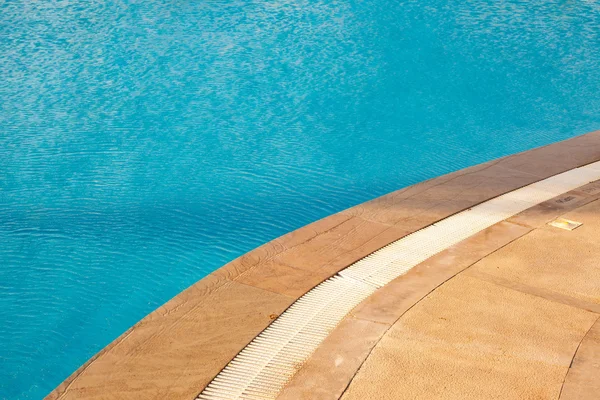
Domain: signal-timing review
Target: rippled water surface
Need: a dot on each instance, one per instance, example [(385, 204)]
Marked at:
[(145, 144)]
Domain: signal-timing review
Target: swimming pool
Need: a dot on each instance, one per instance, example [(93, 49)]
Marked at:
[(145, 144)]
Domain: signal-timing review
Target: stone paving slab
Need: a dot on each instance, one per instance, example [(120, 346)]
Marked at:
[(472, 339), (566, 262), (583, 379)]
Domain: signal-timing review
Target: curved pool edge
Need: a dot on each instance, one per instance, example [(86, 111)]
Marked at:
[(176, 350)]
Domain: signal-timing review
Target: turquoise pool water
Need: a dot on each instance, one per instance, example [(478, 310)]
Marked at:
[(145, 144)]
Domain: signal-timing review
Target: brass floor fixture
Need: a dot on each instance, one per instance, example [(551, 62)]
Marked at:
[(262, 368)]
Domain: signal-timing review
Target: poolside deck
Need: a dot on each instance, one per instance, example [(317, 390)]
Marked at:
[(520, 323), (503, 313)]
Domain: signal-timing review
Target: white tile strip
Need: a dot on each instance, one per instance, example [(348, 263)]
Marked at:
[(263, 367)]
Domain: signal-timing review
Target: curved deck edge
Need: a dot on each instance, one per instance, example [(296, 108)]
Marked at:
[(176, 350)]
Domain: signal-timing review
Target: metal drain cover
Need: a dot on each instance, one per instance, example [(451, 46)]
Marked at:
[(566, 224)]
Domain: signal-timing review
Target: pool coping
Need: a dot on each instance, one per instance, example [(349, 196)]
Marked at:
[(199, 331)]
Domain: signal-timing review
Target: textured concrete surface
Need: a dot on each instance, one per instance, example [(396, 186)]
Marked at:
[(391, 302), (472, 339), (328, 372), (336, 361), (521, 323), (583, 380), (176, 350), (565, 262)]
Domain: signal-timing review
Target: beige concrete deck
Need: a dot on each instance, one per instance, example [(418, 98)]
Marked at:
[(175, 351), (507, 327), (520, 260)]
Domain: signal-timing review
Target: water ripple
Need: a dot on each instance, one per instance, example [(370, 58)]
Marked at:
[(145, 144)]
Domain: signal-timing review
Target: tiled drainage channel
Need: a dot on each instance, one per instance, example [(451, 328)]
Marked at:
[(263, 367)]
